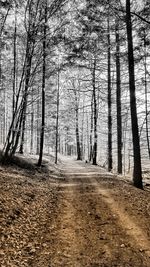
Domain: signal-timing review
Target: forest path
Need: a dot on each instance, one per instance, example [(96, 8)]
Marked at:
[(85, 217), (93, 226)]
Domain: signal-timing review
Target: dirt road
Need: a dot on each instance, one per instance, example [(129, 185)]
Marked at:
[(94, 225), (96, 220)]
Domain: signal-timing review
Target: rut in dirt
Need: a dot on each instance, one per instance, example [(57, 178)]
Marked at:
[(90, 227)]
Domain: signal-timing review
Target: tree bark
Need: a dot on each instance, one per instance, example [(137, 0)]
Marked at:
[(14, 68), (91, 132), (37, 125), (137, 169), (95, 115), (79, 157), (109, 104), (32, 125), (43, 87), (146, 100), (57, 119), (118, 102), (25, 97)]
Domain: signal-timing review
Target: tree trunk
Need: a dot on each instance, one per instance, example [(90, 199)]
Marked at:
[(137, 169), (91, 132), (82, 133), (79, 157), (57, 119), (14, 68), (109, 105), (146, 100), (37, 125), (16, 137), (43, 88), (32, 125), (95, 115), (118, 102), (0, 63), (21, 150), (25, 98)]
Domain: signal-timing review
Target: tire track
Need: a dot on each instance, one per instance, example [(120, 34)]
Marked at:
[(92, 230), (140, 239)]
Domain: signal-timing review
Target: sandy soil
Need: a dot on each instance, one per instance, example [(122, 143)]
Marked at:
[(86, 217)]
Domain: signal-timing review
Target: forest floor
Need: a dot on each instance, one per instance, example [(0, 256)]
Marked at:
[(77, 215)]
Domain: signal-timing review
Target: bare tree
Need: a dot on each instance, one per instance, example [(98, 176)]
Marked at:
[(109, 99), (57, 117), (43, 84), (95, 114), (118, 101), (137, 169)]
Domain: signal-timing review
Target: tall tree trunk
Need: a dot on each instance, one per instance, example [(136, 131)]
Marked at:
[(1, 84), (16, 137), (109, 103), (57, 118), (137, 169), (118, 102), (79, 157), (32, 125), (21, 150), (87, 136), (14, 68), (146, 100), (78, 145), (29, 55), (43, 87), (95, 115), (0, 63), (25, 98), (91, 132), (37, 126), (82, 133)]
